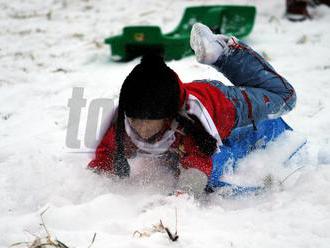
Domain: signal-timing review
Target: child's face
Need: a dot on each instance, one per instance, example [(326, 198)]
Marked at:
[(147, 128)]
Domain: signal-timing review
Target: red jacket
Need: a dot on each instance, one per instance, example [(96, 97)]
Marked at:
[(216, 112)]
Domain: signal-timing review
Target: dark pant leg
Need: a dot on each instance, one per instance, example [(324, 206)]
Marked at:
[(259, 92), (264, 104)]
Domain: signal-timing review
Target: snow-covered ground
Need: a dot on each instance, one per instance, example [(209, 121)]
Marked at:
[(48, 47)]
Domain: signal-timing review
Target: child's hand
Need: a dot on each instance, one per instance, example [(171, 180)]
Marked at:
[(192, 181)]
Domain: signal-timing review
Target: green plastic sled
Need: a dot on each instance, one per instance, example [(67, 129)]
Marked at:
[(222, 19)]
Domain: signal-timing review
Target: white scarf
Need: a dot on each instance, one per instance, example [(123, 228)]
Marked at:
[(156, 148)]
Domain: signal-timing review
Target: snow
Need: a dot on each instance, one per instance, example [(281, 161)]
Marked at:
[(48, 47)]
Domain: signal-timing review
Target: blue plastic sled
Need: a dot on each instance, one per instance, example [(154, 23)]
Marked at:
[(239, 144)]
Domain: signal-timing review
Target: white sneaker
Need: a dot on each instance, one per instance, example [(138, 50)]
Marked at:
[(207, 46)]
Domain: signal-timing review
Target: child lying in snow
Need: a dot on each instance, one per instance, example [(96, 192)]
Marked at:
[(186, 124)]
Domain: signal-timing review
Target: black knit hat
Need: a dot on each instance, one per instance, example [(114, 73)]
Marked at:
[(150, 91)]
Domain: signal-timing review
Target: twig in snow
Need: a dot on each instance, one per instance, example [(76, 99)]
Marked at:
[(160, 228), (148, 231), (93, 239), (47, 241), (170, 235), (293, 172), (39, 242), (43, 222)]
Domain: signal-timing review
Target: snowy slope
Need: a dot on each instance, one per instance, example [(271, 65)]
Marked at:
[(48, 47)]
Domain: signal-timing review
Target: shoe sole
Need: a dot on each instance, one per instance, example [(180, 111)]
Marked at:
[(197, 42)]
